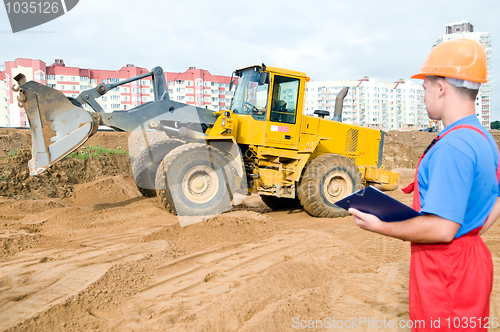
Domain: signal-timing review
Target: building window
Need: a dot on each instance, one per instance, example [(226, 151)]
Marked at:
[(51, 77)]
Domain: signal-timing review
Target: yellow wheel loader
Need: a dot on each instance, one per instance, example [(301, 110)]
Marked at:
[(195, 160)]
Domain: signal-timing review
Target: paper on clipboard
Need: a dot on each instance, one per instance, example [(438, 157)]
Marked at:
[(373, 201)]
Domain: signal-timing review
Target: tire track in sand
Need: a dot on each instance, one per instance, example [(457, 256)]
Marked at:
[(40, 279)]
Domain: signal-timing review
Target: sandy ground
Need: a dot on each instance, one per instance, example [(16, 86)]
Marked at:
[(98, 256)]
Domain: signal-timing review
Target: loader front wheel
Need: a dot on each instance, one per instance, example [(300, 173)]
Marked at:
[(195, 180), (326, 180), (145, 165)]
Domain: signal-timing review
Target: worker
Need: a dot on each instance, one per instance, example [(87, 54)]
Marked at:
[(456, 192)]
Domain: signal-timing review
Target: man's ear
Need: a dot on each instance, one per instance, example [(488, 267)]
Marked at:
[(443, 87)]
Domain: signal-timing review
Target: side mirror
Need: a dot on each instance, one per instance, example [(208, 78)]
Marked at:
[(263, 78)]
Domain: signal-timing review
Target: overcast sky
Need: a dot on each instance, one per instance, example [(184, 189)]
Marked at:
[(329, 40)]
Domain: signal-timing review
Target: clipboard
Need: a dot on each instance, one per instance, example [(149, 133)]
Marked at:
[(373, 201)]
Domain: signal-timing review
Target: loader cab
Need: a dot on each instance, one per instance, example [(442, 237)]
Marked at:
[(252, 94), (274, 96)]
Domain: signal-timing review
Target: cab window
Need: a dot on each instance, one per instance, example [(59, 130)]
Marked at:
[(285, 98)]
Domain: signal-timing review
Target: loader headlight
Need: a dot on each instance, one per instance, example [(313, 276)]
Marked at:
[(223, 122)]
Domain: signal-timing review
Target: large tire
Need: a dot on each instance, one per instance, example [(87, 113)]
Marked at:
[(145, 165), (195, 180), (280, 203), (326, 180)]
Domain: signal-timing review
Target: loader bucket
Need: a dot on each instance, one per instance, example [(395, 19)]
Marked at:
[(57, 126)]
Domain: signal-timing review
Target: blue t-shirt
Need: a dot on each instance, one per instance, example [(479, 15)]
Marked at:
[(457, 176)]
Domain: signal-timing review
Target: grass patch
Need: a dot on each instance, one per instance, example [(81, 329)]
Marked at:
[(13, 153), (95, 152)]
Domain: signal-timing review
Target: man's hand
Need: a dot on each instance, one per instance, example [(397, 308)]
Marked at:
[(366, 221), (428, 228)]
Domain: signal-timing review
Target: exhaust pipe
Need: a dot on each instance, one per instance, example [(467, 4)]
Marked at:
[(339, 104)]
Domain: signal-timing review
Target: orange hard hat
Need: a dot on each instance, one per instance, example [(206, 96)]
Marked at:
[(464, 59)]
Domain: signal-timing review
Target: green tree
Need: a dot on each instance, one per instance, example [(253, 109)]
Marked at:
[(495, 125)]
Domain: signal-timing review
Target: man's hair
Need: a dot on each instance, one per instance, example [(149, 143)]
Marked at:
[(468, 93)]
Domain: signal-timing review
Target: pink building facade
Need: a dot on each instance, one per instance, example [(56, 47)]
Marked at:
[(195, 86)]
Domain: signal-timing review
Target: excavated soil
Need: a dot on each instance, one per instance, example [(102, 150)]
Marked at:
[(82, 250)]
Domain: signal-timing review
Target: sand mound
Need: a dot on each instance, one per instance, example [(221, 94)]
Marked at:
[(13, 140), (58, 180), (231, 227), (106, 190), (402, 149), (29, 206)]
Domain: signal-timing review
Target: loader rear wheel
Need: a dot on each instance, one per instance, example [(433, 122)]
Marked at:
[(280, 203), (145, 165), (195, 180), (328, 179)]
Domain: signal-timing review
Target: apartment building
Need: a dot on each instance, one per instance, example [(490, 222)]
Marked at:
[(195, 86), (370, 103), (199, 87), (3, 101), (464, 29)]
